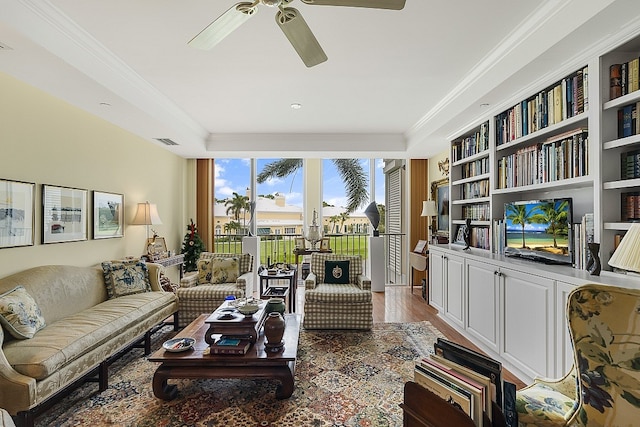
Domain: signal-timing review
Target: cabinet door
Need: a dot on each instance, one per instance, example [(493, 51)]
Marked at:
[(564, 353), (436, 279), (483, 298), (454, 289), (529, 313)]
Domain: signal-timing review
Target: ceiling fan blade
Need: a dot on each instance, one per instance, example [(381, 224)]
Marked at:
[(372, 4), (224, 25), (300, 36)]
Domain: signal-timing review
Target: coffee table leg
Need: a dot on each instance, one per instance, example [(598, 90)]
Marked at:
[(161, 389), (284, 390)]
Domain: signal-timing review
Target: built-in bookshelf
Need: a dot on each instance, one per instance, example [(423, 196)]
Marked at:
[(620, 129), (471, 186)]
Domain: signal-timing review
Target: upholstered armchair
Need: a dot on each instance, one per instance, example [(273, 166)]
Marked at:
[(603, 388), (337, 295), (218, 276)]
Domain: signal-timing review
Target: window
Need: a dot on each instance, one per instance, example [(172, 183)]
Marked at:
[(289, 230)]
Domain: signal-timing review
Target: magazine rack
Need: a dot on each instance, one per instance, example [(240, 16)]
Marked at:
[(424, 409)]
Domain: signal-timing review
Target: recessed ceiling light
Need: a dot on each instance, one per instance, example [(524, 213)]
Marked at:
[(105, 104), (296, 106), (484, 105)]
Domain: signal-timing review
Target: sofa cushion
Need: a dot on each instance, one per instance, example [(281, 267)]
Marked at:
[(318, 259), (245, 259), (19, 313), (336, 272), (337, 293), (125, 277), (62, 342), (218, 270)]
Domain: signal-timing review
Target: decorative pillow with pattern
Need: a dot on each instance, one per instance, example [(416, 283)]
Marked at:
[(19, 313), (125, 278), (336, 272), (224, 270)]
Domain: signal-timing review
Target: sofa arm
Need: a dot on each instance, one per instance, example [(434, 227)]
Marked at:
[(154, 276), (310, 281), (189, 280), (364, 282), (245, 282), (17, 391)]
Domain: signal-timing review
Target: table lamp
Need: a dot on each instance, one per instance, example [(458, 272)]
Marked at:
[(429, 210), (627, 255), (146, 214)]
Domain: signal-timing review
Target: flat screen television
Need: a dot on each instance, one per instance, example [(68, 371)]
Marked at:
[(539, 230)]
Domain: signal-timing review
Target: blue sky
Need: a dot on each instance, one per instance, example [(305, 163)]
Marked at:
[(234, 175)]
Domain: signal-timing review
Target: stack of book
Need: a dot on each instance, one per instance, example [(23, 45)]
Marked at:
[(469, 381), (230, 345), (624, 78)]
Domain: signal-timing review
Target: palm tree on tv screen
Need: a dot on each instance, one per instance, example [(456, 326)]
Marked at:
[(518, 215), (556, 216), (350, 171)]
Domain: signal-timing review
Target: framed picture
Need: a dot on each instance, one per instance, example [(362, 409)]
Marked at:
[(420, 246), (324, 244), (64, 214), (440, 193), (108, 215), (156, 247), (301, 243), (17, 207)]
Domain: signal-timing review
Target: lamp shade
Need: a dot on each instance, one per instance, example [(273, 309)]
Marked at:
[(429, 208), (627, 255), (146, 214)]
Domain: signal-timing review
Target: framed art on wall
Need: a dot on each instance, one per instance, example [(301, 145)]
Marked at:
[(440, 193), (17, 207), (64, 214), (108, 215)]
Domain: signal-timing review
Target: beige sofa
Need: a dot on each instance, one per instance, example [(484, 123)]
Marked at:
[(84, 332)]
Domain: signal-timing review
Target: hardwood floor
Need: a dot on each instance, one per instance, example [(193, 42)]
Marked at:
[(399, 304)]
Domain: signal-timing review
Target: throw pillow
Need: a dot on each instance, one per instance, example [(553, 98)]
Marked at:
[(125, 278), (204, 271), (19, 313), (336, 272), (225, 270)]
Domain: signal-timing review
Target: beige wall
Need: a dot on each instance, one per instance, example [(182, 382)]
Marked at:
[(47, 141)]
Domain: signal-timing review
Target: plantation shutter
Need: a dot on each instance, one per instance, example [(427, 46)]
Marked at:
[(394, 218)]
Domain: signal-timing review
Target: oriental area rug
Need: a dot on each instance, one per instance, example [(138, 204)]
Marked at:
[(342, 378)]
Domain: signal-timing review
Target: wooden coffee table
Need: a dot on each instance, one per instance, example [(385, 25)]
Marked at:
[(256, 363)]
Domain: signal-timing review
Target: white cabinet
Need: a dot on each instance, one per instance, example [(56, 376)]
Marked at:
[(529, 322), (436, 279), (454, 289), (483, 298)]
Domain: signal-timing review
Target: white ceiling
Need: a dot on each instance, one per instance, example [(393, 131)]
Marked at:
[(397, 83)]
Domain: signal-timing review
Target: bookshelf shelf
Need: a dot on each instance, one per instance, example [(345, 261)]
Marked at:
[(622, 142), (621, 184), (476, 156), (473, 223), (471, 201), (569, 183), (618, 226), (621, 101), (472, 179)]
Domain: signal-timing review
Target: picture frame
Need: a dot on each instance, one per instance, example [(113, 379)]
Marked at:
[(64, 214), (17, 208), (156, 247), (108, 215), (440, 194), (420, 247), (301, 243), (325, 244)]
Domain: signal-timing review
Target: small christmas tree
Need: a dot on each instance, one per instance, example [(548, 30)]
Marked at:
[(192, 247)]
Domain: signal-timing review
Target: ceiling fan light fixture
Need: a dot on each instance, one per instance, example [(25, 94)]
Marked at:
[(226, 23), (271, 3)]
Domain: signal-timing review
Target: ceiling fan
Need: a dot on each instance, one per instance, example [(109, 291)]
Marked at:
[(288, 19)]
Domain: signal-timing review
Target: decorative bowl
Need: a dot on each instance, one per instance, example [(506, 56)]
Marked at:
[(179, 344), (248, 309)]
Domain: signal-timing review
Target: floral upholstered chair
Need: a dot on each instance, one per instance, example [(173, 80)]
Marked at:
[(337, 295), (604, 322), (218, 276)]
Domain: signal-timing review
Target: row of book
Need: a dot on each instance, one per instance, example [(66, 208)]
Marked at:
[(624, 78), (582, 234), (477, 212), (567, 98), (468, 380), (475, 168), (630, 164), (628, 123), (473, 190), (472, 144), (562, 157), (630, 209), (479, 237)]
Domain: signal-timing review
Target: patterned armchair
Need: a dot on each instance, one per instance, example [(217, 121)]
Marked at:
[(218, 276), (603, 389), (337, 295)]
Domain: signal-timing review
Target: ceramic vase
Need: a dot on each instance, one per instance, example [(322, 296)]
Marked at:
[(275, 305), (593, 266), (274, 331)]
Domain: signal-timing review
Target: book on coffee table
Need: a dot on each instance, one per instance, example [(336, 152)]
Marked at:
[(230, 345)]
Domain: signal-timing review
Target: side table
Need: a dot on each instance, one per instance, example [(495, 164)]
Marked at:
[(171, 261), (291, 276)]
